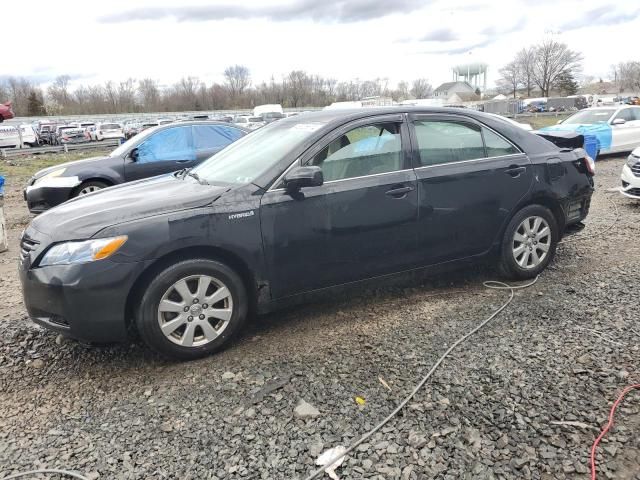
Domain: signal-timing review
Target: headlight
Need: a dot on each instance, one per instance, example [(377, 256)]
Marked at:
[(632, 160), (82, 252), (55, 173)]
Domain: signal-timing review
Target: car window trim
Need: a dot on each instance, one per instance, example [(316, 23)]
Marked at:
[(314, 149), (469, 161)]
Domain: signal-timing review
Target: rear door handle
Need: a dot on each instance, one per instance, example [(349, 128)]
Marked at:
[(399, 192), (515, 171), (182, 161)]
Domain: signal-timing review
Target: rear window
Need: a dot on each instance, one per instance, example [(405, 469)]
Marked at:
[(110, 126), (255, 120), (241, 120)]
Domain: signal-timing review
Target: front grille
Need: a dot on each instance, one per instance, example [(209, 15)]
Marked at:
[(633, 191), (27, 245), (636, 169)]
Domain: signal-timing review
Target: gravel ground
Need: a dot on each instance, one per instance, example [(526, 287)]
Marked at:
[(561, 352)]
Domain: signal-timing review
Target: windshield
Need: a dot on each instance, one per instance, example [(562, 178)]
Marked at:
[(244, 160), (273, 115), (122, 149), (110, 126), (255, 120), (588, 117), (241, 119)]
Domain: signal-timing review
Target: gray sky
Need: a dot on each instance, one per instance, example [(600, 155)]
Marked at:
[(395, 39)]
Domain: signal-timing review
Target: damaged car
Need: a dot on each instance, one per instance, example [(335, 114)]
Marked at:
[(306, 204), (156, 151)]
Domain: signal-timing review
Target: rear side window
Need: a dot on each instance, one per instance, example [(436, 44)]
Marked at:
[(496, 145), (448, 141), (167, 145), (209, 137)]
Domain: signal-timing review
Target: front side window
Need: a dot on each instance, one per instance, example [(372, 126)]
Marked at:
[(366, 150), (167, 145), (626, 114), (209, 137), (443, 141), (496, 145)]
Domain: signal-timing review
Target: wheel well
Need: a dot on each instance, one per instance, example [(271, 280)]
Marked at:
[(212, 253), (555, 208)]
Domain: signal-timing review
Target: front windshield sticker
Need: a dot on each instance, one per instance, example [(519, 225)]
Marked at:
[(307, 127)]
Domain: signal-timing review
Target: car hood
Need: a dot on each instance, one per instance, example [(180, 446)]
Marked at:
[(77, 163), (83, 217)]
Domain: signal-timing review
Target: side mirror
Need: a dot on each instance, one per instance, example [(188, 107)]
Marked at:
[(133, 155), (619, 121), (301, 177)]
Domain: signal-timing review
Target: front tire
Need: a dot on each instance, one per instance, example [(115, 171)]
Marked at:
[(529, 243), (89, 187), (192, 309)]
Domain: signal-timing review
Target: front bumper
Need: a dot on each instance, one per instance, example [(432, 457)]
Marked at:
[(49, 192), (86, 302), (630, 183)]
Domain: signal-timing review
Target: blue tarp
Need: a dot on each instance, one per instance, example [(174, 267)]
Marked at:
[(1, 185), (602, 132)]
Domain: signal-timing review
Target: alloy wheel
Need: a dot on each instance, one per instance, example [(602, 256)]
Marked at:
[(531, 242), (89, 189), (195, 310)]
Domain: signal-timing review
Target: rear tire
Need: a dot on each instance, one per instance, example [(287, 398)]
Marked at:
[(529, 243), (192, 309), (89, 187)]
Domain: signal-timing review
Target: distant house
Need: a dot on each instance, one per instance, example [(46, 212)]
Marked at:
[(463, 97), (447, 89)]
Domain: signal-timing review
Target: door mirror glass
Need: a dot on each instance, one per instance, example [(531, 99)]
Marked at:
[(301, 177), (133, 155), (619, 121)]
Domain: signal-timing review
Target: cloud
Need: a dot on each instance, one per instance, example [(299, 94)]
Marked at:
[(505, 30), (329, 11), (440, 35), (602, 16), (462, 49)]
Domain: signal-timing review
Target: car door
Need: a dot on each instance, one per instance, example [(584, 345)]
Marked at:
[(210, 139), (359, 224), (626, 136), (165, 151), (470, 178)]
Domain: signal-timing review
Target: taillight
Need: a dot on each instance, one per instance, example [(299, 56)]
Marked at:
[(590, 164), (64, 137)]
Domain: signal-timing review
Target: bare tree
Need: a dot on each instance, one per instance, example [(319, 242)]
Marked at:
[(421, 88), (149, 95), (510, 77), (238, 78), (552, 59), (526, 60), (627, 76)]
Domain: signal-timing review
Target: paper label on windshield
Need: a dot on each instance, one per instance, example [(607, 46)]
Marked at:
[(307, 127)]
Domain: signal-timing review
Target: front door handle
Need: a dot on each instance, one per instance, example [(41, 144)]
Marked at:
[(399, 192), (515, 171), (182, 161)]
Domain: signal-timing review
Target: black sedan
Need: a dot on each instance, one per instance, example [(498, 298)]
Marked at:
[(304, 204), (155, 151)]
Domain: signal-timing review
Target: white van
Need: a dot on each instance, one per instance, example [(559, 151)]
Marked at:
[(10, 137)]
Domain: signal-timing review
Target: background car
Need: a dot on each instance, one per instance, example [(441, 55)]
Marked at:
[(617, 128), (303, 205), (107, 130), (249, 121), (71, 134), (6, 112), (631, 176), (155, 151)]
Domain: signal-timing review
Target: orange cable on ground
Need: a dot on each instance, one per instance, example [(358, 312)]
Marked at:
[(608, 426)]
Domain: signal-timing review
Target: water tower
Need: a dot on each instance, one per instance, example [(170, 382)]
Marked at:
[(474, 74)]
